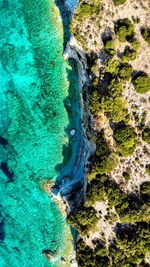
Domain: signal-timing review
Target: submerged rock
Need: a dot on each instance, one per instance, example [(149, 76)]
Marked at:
[(72, 132), (49, 254), (63, 261)]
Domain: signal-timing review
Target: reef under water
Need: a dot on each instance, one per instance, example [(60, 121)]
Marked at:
[(33, 132)]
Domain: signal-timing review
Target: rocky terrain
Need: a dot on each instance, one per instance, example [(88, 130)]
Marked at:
[(111, 36)]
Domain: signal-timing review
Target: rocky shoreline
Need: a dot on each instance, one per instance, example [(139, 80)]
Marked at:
[(73, 189)]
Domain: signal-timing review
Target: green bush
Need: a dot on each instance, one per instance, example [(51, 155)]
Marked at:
[(119, 2), (95, 104), (125, 71), (95, 192), (87, 8), (125, 138), (131, 244), (141, 82), (147, 168), (128, 54), (114, 193), (92, 257), (124, 29), (115, 108), (107, 165), (146, 34), (145, 188), (112, 66), (84, 220), (109, 47), (134, 44), (102, 161), (102, 148), (126, 176), (146, 135)]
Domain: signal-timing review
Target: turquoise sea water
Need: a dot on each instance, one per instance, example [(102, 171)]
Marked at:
[(33, 122)]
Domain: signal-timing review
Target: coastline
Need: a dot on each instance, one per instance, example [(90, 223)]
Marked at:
[(112, 189), (71, 184)]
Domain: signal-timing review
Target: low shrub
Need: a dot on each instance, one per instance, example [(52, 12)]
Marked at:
[(147, 168), (145, 188), (135, 44), (128, 54), (84, 220), (124, 28), (95, 105), (146, 34), (119, 2), (125, 138), (125, 71), (112, 66), (126, 176), (102, 161), (88, 257), (115, 108), (109, 47), (146, 135), (141, 82), (87, 8), (95, 192)]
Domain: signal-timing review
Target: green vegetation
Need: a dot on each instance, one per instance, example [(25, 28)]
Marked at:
[(115, 108), (106, 96), (147, 168), (132, 234), (102, 161), (132, 241), (95, 191), (145, 188), (87, 8), (146, 34), (146, 135), (128, 250), (88, 257), (125, 71), (131, 244), (109, 47), (84, 220), (95, 105), (119, 2), (132, 210), (126, 176), (124, 28), (125, 138), (129, 54), (112, 67), (135, 45), (141, 82)]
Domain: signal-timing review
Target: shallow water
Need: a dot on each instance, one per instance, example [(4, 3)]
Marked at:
[(33, 131)]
